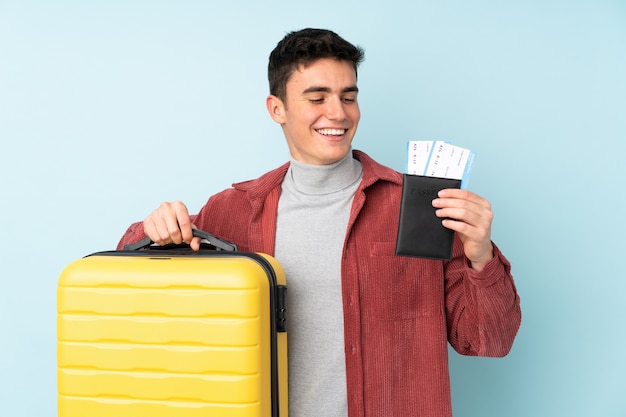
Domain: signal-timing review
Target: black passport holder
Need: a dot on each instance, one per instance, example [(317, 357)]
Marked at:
[(420, 232)]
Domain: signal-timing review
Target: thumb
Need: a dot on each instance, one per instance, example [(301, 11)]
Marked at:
[(195, 243)]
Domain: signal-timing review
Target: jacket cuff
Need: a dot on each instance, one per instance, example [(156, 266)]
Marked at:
[(493, 271)]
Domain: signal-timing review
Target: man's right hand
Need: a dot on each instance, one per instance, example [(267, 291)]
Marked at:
[(170, 223)]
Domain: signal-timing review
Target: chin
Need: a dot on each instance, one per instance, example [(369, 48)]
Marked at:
[(336, 157)]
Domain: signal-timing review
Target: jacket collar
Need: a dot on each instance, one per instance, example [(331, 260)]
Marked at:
[(372, 173)]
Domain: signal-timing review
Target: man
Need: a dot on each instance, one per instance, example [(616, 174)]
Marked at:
[(369, 330)]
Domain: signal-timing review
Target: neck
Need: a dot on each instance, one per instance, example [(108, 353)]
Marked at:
[(325, 179)]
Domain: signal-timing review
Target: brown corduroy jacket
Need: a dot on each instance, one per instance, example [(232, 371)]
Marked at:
[(399, 312)]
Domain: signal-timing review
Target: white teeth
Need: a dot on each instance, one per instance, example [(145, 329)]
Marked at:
[(332, 132)]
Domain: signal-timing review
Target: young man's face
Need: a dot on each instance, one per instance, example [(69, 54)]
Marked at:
[(320, 113)]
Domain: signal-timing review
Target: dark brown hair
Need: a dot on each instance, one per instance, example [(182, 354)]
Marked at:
[(303, 47)]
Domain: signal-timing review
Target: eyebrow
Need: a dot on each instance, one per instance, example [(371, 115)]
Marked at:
[(351, 89)]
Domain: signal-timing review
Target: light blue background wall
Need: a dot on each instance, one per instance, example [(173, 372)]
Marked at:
[(109, 107)]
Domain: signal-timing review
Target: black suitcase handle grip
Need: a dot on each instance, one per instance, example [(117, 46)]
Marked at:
[(220, 244)]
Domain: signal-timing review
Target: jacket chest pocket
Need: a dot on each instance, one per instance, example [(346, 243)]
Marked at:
[(398, 287)]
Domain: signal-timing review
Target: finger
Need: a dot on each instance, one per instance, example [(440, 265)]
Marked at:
[(183, 224), (471, 208), (155, 227), (475, 233), (474, 215), (195, 243), (470, 225), (476, 242), (163, 224), (149, 229), (465, 195), (170, 214)]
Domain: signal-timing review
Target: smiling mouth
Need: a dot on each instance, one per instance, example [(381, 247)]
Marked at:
[(331, 132)]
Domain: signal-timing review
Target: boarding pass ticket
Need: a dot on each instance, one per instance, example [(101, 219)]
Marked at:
[(435, 158)]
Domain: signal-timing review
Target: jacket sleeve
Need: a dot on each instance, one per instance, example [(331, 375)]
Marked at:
[(482, 308), (133, 234)]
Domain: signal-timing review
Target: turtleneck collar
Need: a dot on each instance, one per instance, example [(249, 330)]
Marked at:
[(324, 179)]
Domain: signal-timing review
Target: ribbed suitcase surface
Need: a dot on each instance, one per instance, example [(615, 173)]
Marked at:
[(171, 335)]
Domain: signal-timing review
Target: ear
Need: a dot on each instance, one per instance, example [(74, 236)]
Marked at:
[(276, 109)]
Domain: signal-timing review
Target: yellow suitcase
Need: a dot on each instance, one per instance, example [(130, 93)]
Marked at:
[(172, 333)]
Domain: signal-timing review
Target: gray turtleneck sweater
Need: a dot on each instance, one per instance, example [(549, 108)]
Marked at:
[(313, 213)]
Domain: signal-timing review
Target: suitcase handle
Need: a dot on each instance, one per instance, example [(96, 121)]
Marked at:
[(220, 244)]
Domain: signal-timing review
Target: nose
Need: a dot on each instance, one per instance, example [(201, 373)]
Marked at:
[(335, 109)]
